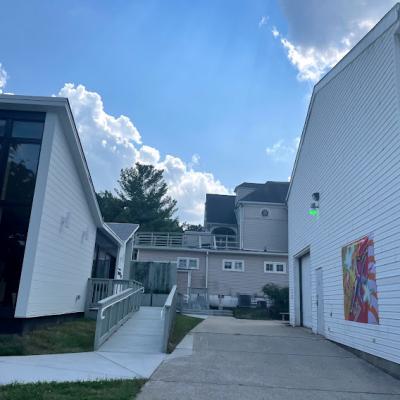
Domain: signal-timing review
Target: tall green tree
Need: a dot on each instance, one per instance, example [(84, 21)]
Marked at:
[(110, 206), (142, 199)]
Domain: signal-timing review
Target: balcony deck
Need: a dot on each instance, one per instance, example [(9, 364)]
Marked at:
[(191, 240)]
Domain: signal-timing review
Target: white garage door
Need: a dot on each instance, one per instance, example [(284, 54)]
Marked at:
[(306, 290)]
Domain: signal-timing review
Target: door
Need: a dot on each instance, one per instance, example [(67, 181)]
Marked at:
[(182, 282), (320, 301), (305, 285)]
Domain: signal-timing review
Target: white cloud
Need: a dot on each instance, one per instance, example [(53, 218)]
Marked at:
[(189, 186), (263, 21), (148, 155), (112, 143), (275, 32), (280, 151), (309, 61), (195, 159), (321, 33), (3, 78)]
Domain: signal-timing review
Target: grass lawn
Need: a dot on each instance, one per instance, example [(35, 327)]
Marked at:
[(66, 337), (183, 325), (99, 390), (251, 313)]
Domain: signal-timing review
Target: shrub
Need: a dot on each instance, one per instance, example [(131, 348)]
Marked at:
[(279, 297)]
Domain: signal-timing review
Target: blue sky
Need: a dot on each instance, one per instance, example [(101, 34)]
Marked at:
[(214, 92)]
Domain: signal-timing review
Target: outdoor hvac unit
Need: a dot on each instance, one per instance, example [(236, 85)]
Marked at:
[(244, 300)]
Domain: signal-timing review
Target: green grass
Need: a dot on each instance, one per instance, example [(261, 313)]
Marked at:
[(67, 337), (183, 325), (251, 313), (99, 390)]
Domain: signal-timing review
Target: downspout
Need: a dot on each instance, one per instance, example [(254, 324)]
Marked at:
[(241, 226), (207, 269)]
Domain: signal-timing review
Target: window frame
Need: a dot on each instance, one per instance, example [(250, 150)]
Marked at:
[(233, 261), (187, 259), (275, 270), (7, 140)]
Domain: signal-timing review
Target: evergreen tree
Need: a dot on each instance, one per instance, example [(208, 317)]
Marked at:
[(142, 199)]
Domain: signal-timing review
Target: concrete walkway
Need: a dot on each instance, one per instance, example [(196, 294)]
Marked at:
[(134, 351), (265, 360)]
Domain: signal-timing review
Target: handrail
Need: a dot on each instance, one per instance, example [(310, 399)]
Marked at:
[(114, 311), (168, 313), (101, 302), (101, 288), (183, 240)]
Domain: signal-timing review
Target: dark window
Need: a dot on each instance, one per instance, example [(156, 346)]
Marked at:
[(20, 172), (14, 222), (27, 129), (20, 142), (2, 127)]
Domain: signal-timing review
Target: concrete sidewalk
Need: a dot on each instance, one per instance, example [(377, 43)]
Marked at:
[(134, 351), (265, 360)]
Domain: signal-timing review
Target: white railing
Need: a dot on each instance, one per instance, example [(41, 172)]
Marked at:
[(99, 289), (168, 313), (182, 240), (114, 310)]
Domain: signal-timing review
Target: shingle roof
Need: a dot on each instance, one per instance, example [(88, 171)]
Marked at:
[(270, 192), (250, 185), (220, 209), (122, 230)]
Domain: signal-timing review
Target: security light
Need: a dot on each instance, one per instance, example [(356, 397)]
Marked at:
[(315, 196)]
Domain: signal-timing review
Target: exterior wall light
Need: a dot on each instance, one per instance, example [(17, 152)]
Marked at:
[(314, 207)]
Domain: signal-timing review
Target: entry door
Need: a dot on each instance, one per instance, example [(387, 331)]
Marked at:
[(182, 282), (306, 305), (320, 302)]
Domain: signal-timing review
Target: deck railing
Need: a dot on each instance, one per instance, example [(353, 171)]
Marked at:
[(99, 289), (113, 311), (169, 314), (182, 240)]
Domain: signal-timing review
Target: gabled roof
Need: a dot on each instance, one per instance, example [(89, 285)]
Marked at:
[(270, 192), (220, 209), (62, 107), (123, 230), (390, 18)]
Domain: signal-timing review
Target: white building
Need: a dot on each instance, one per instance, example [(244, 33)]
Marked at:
[(344, 269), (50, 222)]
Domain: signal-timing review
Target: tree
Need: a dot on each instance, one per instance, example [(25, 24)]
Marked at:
[(110, 206), (191, 227), (142, 199), (279, 297)]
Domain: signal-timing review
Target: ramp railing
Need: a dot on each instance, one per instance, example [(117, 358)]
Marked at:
[(114, 310), (168, 314)]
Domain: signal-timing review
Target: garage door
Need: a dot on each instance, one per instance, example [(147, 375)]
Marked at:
[(306, 290)]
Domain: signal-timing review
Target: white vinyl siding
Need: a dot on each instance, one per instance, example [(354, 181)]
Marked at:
[(351, 156), (233, 265), (264, 233), (250, 281), (63, 260)]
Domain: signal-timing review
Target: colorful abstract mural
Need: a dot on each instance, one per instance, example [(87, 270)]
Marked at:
[(359, 282)]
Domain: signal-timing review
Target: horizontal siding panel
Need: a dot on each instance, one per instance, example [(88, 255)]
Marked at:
[(63, 259), (351, 155)]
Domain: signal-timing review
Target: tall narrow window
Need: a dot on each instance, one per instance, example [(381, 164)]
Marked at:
[(20, 143)]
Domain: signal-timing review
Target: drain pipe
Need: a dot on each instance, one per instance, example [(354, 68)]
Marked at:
[(207, 269)]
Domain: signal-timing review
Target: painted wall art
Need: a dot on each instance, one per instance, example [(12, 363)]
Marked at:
[(359, 282)]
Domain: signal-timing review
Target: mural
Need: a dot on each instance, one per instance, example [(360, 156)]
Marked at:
[(359, 282)]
